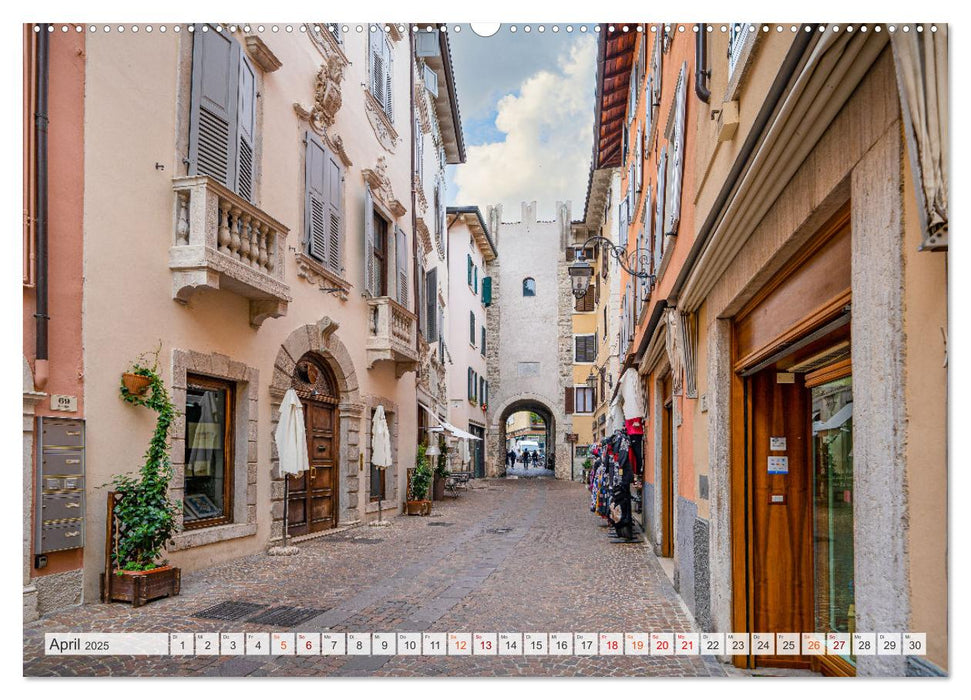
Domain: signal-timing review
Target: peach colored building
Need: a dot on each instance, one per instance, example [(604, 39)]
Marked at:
[(54, 366), (261, 208), (792, 348)]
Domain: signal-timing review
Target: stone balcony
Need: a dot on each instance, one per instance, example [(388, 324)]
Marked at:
[(224, 242), (392, 331)]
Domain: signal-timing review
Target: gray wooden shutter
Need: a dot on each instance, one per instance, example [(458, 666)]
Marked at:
[(673, 205), (315, 199), (388, 75), (648, 115), (214, 105), (656, 62), (246, 129), (401, 255), (431, 303), (659, 210), (335, 210), (419, 150), (376, 56), (370, 276), (639, 162)]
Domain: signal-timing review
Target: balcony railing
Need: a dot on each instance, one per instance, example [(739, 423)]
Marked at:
[(223, 241), (392, 333)]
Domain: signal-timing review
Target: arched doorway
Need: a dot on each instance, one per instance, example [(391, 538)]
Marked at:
[(313, 496), (538, 426)]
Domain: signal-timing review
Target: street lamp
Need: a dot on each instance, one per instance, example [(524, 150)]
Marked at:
[(635, 263), (592, 378)]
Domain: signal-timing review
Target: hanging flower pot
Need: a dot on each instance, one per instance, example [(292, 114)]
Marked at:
[(136, 384)]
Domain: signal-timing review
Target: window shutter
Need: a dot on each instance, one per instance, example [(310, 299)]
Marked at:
[(377, 67), (214, 105), (623, 153), (568, 400), (420, 306), (656, 63), (246, 128), (468, 268), (648, 232), (370, 277), (648, 115), (639, 162), (468, 385), (419, 150), (315, 200), (483, 329), (487, 291), (431, 80), (431, 304), (388, 75), (401, 254), (335, 208), (475, 279), (673, 206), (659, 210), (472, 328)]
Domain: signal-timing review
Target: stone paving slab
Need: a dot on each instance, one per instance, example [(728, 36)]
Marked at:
[(521, 555)]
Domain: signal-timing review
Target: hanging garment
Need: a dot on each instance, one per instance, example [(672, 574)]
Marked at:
[(633, 403)]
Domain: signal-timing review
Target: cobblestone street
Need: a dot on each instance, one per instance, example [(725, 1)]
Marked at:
[(512, 555)]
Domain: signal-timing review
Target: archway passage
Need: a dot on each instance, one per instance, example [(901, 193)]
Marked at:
[(528, 426)]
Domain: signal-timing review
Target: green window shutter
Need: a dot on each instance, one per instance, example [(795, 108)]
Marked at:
[(214, 106), (468, 268), (483, 341), (472, 327), (487, 291), (468, 385)]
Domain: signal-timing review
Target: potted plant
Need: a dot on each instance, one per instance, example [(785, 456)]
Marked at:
[(143, 517), (138, 378), (441, 472), (421, 477)]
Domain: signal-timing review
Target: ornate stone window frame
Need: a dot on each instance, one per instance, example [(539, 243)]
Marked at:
[(389, 503), (247, 380)]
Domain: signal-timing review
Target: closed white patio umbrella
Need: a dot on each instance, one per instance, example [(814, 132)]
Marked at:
[(291, 445), (380, 448)]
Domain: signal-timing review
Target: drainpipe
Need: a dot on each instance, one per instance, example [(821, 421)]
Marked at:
[(41, 369), (701, 64)]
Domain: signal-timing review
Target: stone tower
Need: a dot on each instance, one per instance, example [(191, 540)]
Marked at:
[(529, 357)]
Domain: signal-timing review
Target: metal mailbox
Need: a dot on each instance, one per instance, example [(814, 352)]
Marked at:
[(60, 475)]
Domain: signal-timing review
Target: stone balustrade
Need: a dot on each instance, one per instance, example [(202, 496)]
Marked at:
[(392, 335), (223, 241)]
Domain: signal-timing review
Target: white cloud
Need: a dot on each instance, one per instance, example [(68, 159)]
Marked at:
[(548, 129)]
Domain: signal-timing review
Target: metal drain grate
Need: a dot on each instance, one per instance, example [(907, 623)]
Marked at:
[(230, 610), (499, 530), (363, 540), (285, 616), (442, 524)]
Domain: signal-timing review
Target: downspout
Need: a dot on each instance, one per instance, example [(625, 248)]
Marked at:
[(701, 64), (41, 366)]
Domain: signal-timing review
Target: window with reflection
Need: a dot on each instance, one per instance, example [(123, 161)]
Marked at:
[(208, 452), (529, 287)]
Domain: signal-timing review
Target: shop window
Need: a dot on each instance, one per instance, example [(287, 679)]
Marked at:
[(208, 452)]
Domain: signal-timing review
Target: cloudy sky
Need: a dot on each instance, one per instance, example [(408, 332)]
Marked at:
[(526, 103)]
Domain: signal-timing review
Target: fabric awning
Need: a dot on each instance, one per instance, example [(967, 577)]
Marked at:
[(448, 427), (922, 74)]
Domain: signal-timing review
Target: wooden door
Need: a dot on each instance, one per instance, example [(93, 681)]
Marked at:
[(667, 471), (313, 501), (780, 540)]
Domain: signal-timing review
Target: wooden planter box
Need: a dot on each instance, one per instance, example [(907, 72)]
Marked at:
[(418, 507), (140, 587)]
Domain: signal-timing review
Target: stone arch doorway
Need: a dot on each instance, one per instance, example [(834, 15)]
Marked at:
[(318, 366), (312, 497), (500, 439)]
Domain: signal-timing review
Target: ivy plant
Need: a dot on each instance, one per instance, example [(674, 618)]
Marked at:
[(146, 515)]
